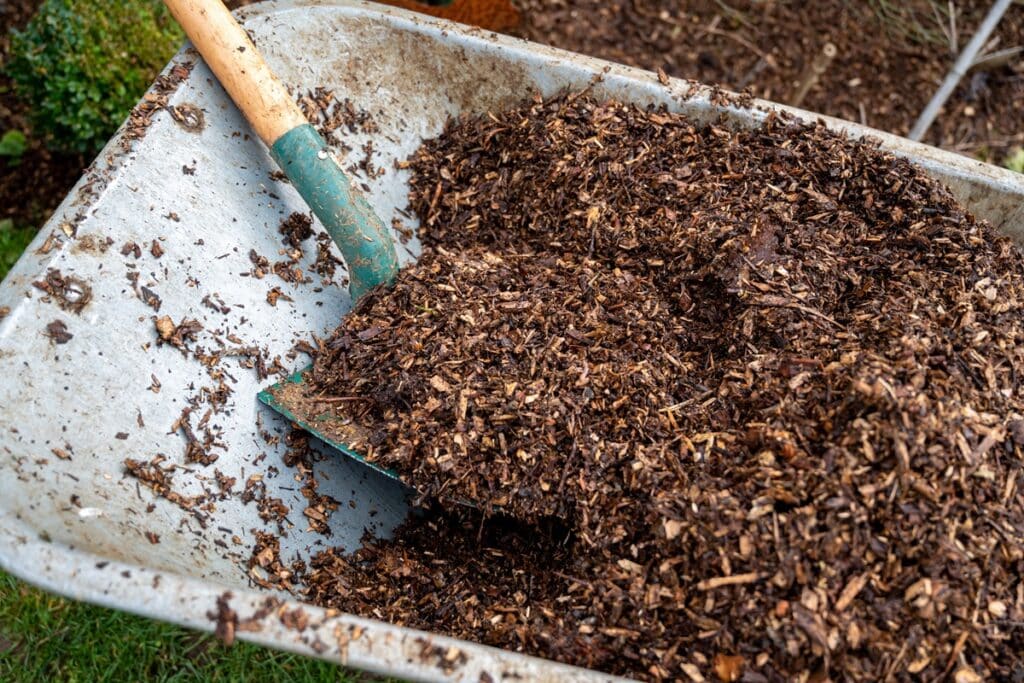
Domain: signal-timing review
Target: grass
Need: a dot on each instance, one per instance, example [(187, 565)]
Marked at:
[(13, 241), (47, 638), (1015, 160)]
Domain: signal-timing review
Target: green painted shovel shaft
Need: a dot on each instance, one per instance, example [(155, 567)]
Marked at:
[(365, 244)]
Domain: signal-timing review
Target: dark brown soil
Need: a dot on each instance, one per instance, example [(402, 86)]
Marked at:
[(752, 398)]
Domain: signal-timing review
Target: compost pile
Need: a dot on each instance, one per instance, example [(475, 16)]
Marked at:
[(739, 405)]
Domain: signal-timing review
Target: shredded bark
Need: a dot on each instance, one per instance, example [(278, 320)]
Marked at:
[(70, 292), (334, 118), (225, 619), (58, 333), (152, 102), (297, 228), (157, 478), (739, 404), (265, 566), (176, 334)]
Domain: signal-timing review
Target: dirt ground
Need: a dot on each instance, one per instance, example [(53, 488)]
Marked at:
[(890, 58)]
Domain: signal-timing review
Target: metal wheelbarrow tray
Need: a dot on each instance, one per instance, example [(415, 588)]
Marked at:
[(184, 172)]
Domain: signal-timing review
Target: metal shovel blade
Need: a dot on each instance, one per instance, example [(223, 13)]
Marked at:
[(288, 397)]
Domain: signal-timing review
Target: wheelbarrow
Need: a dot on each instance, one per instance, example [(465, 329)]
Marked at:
[(86, 383)]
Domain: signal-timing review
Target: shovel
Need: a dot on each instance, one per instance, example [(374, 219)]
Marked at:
[(294, 144), (302, 154)]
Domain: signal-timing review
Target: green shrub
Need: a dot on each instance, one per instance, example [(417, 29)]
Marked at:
[(82, 64), (1015, 160), (12, 145)]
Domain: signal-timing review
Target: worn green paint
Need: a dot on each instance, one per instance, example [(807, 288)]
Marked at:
[(268, 397), (359, 233), (365, 244)]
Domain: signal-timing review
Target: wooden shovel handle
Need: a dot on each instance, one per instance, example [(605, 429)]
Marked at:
[(233, 58)]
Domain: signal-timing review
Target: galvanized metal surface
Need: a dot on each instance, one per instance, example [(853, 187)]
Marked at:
[(77, 526)]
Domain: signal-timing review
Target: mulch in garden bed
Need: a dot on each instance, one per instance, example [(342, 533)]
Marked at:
[(890, 60), (734, 405), (890, 56)]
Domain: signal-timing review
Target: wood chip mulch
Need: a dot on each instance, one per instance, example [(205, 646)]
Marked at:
[(890, 56), (731, 405)]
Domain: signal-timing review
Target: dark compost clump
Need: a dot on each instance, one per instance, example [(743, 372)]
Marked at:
[(742, 405)]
